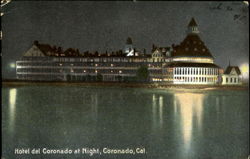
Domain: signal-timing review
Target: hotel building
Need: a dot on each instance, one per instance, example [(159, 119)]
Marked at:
[(190, 62)]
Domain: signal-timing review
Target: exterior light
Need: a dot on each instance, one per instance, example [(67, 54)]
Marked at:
[(12, 65), (244, 70)]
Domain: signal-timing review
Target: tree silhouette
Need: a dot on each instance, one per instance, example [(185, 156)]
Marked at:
[(142, 74)]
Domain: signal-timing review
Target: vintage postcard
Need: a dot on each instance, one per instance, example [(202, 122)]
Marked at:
[(125, 79)]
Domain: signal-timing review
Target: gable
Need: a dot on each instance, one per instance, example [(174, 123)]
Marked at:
[(157, 54), (34, 51), (233, 72)]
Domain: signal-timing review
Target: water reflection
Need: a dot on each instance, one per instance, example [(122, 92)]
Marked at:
[(12, 108), (160, 109), (94, 105), (189, 107), (157, 110)]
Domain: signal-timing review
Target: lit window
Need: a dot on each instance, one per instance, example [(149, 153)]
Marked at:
[(84, 70), (60, 64), (71, 70), (120, 71), (112, 65), (96, 71), (96, 64), (72, 64), (111, 71)]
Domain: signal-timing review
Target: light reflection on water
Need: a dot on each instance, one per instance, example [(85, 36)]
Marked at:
[(12, 108), (190, 106), (157, 111)]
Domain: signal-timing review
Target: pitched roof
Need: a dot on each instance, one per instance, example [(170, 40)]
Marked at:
[(45, 48), (192, 45), (192, 23), (229, 69)]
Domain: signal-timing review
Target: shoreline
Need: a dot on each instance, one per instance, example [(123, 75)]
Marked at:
[(125, 85)]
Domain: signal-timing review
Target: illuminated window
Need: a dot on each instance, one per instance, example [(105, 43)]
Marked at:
[(120, 71), (84, 70), (72, 64), (112, 65), (60, 64), (96, 71), (96, 64)]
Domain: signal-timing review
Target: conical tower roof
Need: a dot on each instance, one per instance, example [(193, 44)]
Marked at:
[(129, 41), (192, 23)]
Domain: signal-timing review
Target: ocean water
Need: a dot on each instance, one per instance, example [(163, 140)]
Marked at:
[(124, 123)]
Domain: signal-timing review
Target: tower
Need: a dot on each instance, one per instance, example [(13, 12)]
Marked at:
[(192, 27), (129, 46)]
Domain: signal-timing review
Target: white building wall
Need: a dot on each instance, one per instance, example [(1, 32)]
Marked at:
[(195, 75), (231, 79)]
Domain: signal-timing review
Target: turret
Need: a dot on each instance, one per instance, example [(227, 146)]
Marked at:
[(129, 46), (192, 27)]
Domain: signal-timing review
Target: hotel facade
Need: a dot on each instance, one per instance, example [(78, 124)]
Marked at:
[(189, 62)]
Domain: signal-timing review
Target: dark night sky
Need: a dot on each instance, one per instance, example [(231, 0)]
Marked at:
[(106, 25)]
